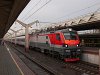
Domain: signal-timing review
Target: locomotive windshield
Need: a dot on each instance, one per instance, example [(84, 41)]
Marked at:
[(70, 35)]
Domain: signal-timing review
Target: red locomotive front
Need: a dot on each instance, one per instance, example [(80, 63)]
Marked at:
[(71, 42), (63, 43)]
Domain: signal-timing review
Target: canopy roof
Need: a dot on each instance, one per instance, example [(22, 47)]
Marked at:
[(9, 11)]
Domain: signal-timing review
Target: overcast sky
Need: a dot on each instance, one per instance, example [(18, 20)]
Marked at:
[(57, 10)]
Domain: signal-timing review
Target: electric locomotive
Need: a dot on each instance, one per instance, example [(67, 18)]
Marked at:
[(64, 43)]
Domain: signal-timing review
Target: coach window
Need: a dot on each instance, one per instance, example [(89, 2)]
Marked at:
[(58, 37), (46, 37)]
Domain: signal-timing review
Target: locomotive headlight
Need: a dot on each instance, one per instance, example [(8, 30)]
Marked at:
[(70, 29), (77, 45), (66, 45)]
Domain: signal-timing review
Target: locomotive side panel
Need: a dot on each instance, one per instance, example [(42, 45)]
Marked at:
[(51, 42), (40, 41), (56, 43), (33, 40)]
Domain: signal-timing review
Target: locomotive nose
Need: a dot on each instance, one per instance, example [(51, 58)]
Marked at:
[(72, 42)]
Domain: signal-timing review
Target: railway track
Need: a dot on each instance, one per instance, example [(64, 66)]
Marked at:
[(45, 70), (84, 67), (91, 70)]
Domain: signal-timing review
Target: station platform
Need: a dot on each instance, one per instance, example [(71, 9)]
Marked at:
[(10, 64), (91, 55), (91, 50)]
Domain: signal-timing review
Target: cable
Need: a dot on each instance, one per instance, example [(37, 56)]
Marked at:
[(37, 10), (76, 11), (32, 8), (97, 10)]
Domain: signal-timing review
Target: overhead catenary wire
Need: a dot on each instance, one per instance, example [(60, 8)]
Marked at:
[(68, 14), (31, 9), (37, 10), (77, 11)]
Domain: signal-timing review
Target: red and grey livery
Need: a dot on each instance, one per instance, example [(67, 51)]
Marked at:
[(63, 43)]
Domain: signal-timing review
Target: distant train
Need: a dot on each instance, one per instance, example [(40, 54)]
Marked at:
[(63, 43)]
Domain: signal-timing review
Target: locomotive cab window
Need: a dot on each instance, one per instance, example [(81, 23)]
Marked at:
[(58, 37), (70, 35)]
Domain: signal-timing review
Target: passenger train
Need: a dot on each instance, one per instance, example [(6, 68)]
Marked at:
[(63, 43)]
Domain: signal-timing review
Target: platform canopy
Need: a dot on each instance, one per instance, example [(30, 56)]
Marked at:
[(9, 11), (86, 26)]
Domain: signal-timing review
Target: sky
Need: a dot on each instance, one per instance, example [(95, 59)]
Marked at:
[(55, 11)]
